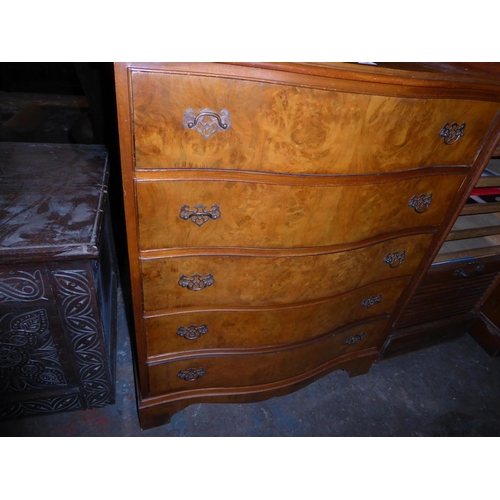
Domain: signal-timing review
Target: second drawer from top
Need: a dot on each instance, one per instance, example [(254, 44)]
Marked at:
[(250, 212)]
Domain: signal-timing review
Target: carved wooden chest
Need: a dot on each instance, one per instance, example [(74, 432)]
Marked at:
[(57, 279), (280, 216)]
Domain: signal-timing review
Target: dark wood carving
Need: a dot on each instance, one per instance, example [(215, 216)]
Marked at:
[(28, 356), (21, 285), (57, 279), (45, 405), (80, 319)]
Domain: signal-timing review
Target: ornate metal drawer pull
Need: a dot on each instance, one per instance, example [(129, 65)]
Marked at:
[(207, 121), (192, 332), (191, 374), (451, 133), (394, 259), (371, 301), (199, 215), (473, 273), (355, 338), (420, 203), (196, 281)]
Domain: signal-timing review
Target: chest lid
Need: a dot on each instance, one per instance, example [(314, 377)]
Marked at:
[(52, 200)]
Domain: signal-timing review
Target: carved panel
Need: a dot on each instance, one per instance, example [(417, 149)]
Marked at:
[(83, 332), (21, 286), (45, 405), (28, 356)]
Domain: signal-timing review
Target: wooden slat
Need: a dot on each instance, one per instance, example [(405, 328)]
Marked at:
[(464, 254), (481, 208), (493, 181), (477, 232)]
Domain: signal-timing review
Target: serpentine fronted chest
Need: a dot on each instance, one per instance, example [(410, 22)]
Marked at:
[(280, 216)]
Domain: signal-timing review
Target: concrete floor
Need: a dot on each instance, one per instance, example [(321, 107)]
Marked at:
[(448, 390)]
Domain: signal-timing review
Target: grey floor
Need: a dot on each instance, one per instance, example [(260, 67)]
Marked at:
[(448, 390)]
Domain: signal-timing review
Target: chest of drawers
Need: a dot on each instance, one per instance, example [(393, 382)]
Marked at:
[(280, 216)]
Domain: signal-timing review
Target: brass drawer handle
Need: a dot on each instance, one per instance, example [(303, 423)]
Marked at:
[(207, 122), (371, 301), (421, 203), (192, 332), (199, 215), (191, 374), (395, 259), (355, 338), (451, 133), (470, 273), (196, 281)]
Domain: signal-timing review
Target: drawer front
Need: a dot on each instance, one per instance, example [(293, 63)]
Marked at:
[(253, 369), (281, 128), (216, 281), (197, 330), (259, 328), (251, 214)]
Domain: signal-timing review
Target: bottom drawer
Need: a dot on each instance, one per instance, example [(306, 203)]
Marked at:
[(239, 370)]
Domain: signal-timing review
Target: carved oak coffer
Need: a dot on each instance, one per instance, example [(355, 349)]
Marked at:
[(58, 280)]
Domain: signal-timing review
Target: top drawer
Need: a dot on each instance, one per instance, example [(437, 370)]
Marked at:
[(205, 122)]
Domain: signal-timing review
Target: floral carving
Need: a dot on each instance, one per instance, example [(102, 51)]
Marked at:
[(28, 356)]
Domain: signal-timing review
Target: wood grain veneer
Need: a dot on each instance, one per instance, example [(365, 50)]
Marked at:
[(278, 128), (240, 281), (253, 327), (256, 214)]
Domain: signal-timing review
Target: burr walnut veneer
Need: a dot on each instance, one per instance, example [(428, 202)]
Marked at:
[(280, 216)]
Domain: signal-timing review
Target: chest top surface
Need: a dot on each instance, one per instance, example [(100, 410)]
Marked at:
[(52, 198)]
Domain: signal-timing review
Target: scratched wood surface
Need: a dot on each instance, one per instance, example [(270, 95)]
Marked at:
[(258, 327), (257, 214), (282, 128), (253, 369), (52, 197)]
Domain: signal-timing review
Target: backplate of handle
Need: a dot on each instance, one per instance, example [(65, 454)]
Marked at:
[(207, 122)]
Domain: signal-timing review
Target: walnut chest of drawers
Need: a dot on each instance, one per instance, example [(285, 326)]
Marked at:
[(57, 279), (280, 216)]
